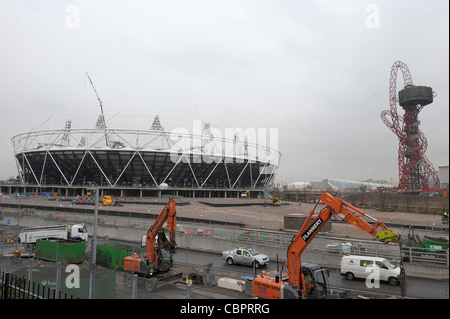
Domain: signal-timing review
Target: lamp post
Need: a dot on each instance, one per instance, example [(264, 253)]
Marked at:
[(94, 248)]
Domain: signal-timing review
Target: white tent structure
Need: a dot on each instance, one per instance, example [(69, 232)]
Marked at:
[(338, 184)]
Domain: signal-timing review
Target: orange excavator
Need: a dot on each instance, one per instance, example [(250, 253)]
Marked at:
[(158, 258), (305, 281)]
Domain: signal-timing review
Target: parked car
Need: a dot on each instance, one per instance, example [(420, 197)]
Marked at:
[(245, 256)]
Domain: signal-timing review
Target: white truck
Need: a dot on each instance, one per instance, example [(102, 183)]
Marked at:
[(31, 234), (245, 256), (356, 266)]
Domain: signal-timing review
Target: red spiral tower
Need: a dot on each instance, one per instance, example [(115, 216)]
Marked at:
[(415, 171)]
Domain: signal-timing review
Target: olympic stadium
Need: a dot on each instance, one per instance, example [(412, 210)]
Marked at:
[(153, 159)]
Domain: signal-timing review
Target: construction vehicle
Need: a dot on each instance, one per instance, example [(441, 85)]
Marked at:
[(108, 201), (245, 194), (158, 257), (416, 246), (29, 235), (268, 196), (305, 281), (274, 200)]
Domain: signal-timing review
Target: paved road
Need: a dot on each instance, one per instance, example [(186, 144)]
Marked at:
[(416, 287)]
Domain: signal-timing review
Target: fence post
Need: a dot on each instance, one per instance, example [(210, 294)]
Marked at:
[(188, 291), (447, 256), (30, 271), (29, 285), (134, 286), (14, 281), (446, 289), (6, 283), (7, 264), (58, 279)]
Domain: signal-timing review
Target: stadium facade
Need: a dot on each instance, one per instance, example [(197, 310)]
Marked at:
[(154, 158)]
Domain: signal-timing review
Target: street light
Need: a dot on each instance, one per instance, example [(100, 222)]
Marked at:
[(94, 247)]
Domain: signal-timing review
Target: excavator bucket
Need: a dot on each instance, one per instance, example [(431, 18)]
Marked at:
[(387, 236)]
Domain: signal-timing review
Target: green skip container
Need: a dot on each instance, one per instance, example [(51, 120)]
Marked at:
[(65, 251), (111, 255)]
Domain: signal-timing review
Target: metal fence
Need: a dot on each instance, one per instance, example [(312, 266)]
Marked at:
[(196, 227), (344, 246), (36, 279), (17, 285)]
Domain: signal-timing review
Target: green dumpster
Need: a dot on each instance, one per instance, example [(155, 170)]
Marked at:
[(65, 251), (111, 255)]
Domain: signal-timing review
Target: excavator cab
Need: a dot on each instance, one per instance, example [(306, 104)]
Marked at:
[(144, 267), (139, 265), (276, 201), (316, 281), (274, 284)]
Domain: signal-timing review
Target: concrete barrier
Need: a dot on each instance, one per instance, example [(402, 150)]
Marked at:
[(230, 283), (217, 245)]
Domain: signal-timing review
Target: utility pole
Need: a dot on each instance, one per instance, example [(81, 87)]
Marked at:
[(94, 249)]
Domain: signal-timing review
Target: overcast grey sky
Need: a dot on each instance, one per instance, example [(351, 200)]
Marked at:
[(318, 71)]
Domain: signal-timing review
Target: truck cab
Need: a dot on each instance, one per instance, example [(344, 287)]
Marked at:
[(79, 232)]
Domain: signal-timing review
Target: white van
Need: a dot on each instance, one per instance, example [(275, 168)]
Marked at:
[(353, 266)]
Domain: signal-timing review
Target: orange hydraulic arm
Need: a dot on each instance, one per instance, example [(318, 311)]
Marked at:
[(167, 214), (333, 207)]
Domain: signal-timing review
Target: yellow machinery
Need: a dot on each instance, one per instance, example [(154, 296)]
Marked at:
[(109, 201)]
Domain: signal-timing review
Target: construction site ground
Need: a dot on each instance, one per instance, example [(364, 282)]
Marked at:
[(253, 214), (250, 212)]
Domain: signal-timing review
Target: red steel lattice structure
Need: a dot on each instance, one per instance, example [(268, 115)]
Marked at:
[(415, 170)]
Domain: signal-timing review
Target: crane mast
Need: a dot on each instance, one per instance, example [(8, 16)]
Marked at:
[(101, 108)]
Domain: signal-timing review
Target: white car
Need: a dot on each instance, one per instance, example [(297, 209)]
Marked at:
[(245, 256)]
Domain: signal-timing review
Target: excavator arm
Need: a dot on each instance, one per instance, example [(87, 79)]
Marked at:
[(167, 214), (340, 209), (353, 215)]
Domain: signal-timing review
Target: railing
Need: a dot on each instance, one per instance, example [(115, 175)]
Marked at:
[(50, 282), (425, 255), (344, 246), (19, 287), (325, 244)]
